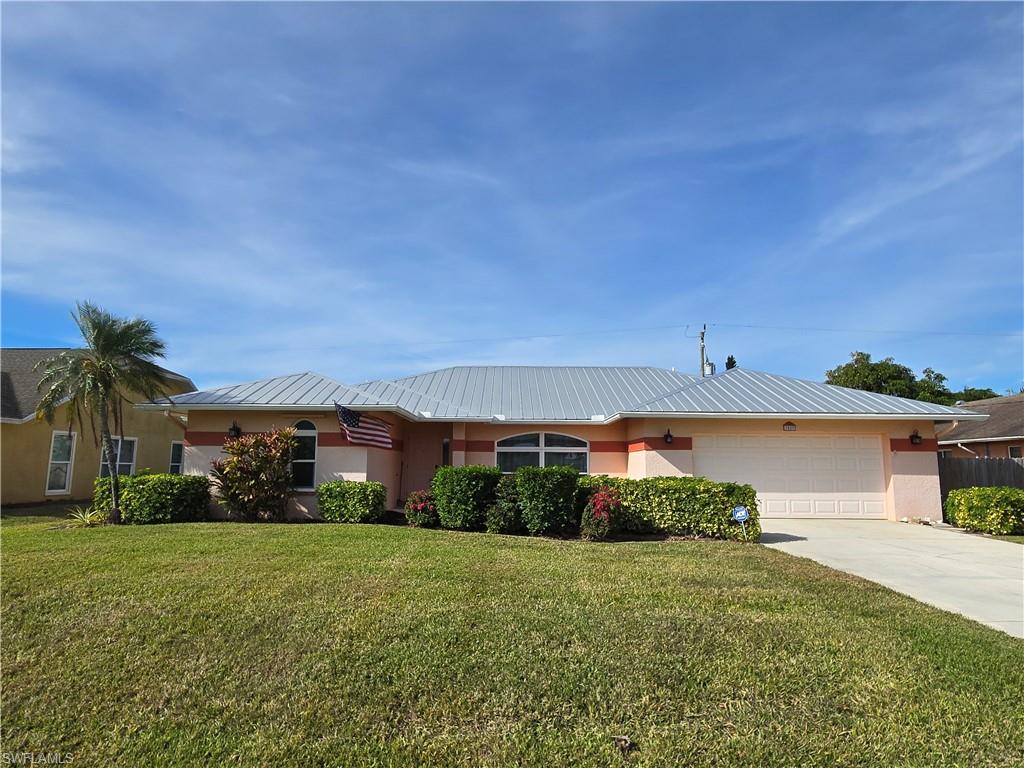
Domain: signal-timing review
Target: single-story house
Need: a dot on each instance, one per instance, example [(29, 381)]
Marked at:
[(809, 449), (1000, 436), (41, 462)]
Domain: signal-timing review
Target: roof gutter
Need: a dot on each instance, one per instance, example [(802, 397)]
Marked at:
[(981, 440), (609, 420)]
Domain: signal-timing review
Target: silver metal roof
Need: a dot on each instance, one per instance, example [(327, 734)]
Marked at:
[(741, 391), (553, 394)]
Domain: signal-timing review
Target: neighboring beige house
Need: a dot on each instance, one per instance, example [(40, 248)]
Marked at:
[(40, 462), (1001, 436), (809, 449)]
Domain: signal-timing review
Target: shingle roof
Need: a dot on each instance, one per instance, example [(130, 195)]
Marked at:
[(552, 394), (19, 380), (1006, 419)]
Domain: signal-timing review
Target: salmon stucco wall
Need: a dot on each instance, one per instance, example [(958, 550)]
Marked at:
[(207, 431)]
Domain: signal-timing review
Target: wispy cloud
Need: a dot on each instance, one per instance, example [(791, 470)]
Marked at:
[(342, 187)]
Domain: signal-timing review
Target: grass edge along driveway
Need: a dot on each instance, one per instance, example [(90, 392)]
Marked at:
[(378, 645)]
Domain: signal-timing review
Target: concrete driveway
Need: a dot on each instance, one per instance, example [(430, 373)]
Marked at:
[(978, 577)]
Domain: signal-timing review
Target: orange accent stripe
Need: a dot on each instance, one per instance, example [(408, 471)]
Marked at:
[(323, 439), (659, 444), (904, 444), (193, 437), (609, 446)]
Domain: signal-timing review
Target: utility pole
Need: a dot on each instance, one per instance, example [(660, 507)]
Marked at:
[(706, 368), (703, 365)]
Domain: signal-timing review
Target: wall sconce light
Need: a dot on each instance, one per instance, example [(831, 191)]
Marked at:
[(234, 430), (789, 426), (668, 436), (915, 439)]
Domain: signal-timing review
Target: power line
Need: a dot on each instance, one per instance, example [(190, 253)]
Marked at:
[(681, 326), (1014, 334)]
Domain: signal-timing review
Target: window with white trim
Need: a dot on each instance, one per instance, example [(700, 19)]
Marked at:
[(542, 449), (62, 462), (124, 449), (1013, 452), (304, 456), (177, 457)]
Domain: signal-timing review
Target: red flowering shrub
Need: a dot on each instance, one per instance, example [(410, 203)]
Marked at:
[(255, 481), (602, 514), (420, 511)]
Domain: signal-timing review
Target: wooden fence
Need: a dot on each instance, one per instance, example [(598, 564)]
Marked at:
[(970, 473)]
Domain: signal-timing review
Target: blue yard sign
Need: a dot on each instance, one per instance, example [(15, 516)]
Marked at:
[(741, 514)]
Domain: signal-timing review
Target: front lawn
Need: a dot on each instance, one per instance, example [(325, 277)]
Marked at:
[(1014, 539), (224, 643)]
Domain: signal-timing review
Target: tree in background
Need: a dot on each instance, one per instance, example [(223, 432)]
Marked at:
[(730, 363), (887, 377), (96, 381)]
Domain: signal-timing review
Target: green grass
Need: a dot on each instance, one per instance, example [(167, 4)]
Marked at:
[(1016, 539), (376, 645)]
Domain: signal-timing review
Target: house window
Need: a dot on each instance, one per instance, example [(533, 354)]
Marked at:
[(177, 457), (62, 459), (542, 449), (124, 449), (1014, 452), (304, 456)]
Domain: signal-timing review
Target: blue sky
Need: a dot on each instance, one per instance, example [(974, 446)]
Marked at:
[(350, 189)]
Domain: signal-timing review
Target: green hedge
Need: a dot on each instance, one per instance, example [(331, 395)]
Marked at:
[(503, 516), (999, 510), (159, 498), (351, 501), (462, 495), (546, 498), (687, 506)]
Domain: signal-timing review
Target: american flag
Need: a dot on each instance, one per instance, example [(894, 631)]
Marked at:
[(363, 430)]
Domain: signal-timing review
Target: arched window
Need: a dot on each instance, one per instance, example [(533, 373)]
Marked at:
[(304, 456), (542, 449)]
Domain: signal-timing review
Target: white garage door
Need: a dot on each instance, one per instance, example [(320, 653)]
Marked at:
[(799, 476)]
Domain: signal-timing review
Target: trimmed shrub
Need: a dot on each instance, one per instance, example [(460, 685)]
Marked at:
[(351, 501), (586, 485), (255, 481), (159, 498), (420, 510), (546, 498), (462, 495), (503, 515), (998, 510), (602, 514), (692, 506)]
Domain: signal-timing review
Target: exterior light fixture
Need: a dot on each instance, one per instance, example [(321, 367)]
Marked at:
[(668, 436), (915, 439), (789, 426), (234, 430)]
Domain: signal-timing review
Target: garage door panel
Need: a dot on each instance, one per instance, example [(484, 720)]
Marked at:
[(800, 476)]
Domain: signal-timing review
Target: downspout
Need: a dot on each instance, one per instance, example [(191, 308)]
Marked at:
[(965, 448), (946, 430)]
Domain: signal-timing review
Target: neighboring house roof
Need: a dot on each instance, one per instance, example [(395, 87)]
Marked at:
[(1005, 421), (556, 394), (19, 380)]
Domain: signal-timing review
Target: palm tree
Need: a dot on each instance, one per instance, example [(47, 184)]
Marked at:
[(117, 360)]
